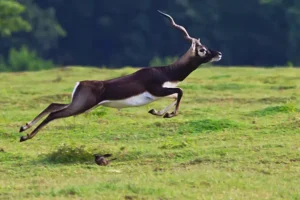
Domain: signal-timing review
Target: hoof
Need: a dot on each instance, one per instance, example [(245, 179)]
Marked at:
[(23, 138), (25, 127), (22, 129), (169, 115), (155, 112), (152, 111)]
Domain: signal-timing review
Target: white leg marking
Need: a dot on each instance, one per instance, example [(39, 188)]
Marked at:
[(161, 112)]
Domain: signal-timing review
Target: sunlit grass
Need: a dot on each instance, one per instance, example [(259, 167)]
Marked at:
[(236, 137)]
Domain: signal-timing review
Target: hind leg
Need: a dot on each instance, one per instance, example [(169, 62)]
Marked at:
[(51, 108), (83, 100), (71, 110)]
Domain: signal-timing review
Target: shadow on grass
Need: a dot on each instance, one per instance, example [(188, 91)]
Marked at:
[(69, 154)]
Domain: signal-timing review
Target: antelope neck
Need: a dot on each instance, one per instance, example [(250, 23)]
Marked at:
[(179, 70)]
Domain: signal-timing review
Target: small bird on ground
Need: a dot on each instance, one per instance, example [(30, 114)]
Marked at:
[(100, 159)]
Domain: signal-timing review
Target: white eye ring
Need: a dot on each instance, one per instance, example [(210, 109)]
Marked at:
[(202, 52)]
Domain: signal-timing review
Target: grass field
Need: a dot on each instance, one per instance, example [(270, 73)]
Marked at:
[(237, 136)]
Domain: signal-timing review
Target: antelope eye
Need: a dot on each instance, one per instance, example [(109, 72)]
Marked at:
[(202, 50)]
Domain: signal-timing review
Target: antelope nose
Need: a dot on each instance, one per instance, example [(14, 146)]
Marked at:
[(219, 53)]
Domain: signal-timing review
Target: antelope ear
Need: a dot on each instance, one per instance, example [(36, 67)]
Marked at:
[(199, 41)]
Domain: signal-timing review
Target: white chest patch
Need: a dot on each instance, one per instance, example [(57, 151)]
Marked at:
[(170, 84), (138, 100)]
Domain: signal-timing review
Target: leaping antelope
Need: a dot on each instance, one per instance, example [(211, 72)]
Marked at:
[(140, 88)]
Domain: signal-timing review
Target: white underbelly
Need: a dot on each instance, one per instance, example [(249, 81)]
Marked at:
[(138, 100)]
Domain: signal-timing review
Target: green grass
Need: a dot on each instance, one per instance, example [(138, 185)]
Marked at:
[(237, 137)]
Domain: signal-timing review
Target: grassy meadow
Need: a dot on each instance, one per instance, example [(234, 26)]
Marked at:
[(237, 136)]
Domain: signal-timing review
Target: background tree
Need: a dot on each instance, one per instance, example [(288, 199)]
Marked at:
[(118, 33), (10, 19), (44, 35)]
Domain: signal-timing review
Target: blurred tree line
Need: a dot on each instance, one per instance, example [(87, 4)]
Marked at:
[(132, 32)]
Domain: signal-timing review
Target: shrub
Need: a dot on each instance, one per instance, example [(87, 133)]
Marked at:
[(3, 66), (24, 60)]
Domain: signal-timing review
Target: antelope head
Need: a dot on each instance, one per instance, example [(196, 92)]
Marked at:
[(198, 50)]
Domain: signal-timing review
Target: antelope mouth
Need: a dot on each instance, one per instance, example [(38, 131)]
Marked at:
[(216, 58)]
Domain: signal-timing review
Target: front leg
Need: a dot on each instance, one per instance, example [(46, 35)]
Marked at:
[(163, 111), (164, 92)]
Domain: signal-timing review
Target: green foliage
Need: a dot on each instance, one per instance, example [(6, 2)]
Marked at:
[(114, 33), (46, 30), (25, 60), (3, 66), (289, 64), (10, 17)]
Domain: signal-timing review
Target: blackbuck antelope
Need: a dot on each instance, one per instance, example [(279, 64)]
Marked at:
[(140, 88)]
